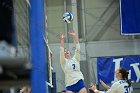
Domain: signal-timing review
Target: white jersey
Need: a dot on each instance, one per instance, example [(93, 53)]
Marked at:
[(71, 68), (121, 86)]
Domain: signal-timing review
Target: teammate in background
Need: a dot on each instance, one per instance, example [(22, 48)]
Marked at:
[(123, 85), (71, 66)]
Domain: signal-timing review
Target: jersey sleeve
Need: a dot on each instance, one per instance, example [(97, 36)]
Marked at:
[(77, 52)]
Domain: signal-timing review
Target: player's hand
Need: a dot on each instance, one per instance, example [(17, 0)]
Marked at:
[(71, 33), (74, 36), (92, 87), (25, 90), (62, 36)]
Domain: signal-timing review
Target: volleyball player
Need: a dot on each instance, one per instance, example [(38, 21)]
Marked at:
[(71, 66), (123, 85)]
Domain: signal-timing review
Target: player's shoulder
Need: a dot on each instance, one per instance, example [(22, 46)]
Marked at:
[(120, 82), (117, 83)]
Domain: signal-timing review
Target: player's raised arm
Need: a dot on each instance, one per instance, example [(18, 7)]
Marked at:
[(62, 56), (105, 85), (75, 39)]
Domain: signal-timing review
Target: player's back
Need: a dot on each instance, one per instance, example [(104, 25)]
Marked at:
[(120, 86)]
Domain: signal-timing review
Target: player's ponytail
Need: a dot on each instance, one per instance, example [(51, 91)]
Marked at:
[(129, 83), (125, 75)]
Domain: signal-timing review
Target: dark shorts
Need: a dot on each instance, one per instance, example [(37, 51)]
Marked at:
[(76, 87)]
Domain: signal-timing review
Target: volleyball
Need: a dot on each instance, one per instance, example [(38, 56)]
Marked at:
[(68, 17)]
